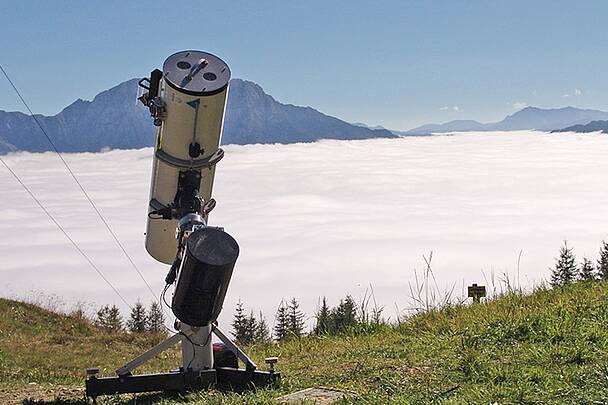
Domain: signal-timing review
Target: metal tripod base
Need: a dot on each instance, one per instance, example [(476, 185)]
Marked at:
[(181, 381), (186, 379)]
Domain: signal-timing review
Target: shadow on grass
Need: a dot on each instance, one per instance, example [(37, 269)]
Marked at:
[(141, 399)]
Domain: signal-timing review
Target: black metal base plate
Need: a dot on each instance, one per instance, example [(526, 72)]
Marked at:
[(181, 381)]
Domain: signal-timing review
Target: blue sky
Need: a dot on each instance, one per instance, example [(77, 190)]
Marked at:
[(397, 64)]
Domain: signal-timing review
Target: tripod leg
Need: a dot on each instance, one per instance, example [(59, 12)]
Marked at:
[(153, 352)]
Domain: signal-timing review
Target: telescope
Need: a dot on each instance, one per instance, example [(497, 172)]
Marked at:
[(187, 102)]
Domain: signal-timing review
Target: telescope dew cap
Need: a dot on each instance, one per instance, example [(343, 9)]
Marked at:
[(196, 73), (213, 246), (205, 273)]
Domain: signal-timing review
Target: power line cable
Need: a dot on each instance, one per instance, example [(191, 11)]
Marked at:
[(120, 245), (87, 258)]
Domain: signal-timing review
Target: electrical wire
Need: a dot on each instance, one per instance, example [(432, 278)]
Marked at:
[(181, 332), (120, 245), (162, 296), (87, 258), (196, 345)]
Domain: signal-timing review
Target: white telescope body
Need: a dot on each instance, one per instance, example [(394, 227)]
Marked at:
[(192, 93)]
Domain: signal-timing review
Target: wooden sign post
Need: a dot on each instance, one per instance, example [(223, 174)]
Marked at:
[(476, 292)]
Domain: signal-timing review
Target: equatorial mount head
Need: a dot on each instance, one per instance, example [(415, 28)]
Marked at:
[(188, 224)]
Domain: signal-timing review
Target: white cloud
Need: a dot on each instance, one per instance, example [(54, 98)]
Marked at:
[(575, 93), (321, 219), (454, 108), (518, 105)]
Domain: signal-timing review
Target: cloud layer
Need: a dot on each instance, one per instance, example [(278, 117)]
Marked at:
[(325, 218)]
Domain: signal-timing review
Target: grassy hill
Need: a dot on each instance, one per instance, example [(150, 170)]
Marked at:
[(547, 347)]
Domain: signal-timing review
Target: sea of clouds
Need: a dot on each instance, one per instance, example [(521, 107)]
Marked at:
[(322, 219)]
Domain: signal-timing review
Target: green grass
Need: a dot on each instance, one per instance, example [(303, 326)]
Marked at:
[(547, 347)]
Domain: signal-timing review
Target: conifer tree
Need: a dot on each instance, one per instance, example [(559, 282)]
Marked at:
[(155, 321), (262, 333), (101, 320), (587, 270), (323, 317), (296, 319), (243, 326), (137, 321), (565, 270), (114, 319), (602, 262), (281, 326), (238, 324), (344, 316)]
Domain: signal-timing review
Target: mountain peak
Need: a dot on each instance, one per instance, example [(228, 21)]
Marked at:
[(115, 119)]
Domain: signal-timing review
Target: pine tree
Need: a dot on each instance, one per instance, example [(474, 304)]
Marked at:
[(323, 317), (295, 319), (101, 319), (587, 270), (602, 263), (243, 326), (344, 316), (565, 267), (114, 319), (262, 333), (155, 321), (281, 327), (137, 320)]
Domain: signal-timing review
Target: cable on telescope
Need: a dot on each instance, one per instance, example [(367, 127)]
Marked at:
[(87, 258), (196, 345), (78, 183), (162, 295)]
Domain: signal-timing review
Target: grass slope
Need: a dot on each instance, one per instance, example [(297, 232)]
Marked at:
[(547, 347)]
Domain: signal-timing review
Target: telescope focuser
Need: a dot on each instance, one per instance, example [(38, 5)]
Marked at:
[(152, 99)]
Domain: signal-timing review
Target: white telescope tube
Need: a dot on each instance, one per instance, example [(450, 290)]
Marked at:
[(193, 91)]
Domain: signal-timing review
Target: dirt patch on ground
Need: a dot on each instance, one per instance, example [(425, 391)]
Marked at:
[(42, 394)]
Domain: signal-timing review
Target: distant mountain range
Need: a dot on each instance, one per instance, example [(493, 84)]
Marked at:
[(113, 119), (593, 126), (527, 118)]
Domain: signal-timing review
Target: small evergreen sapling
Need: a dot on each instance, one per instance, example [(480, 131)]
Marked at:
[(565, 270), (262, 333), (244, 327), (109, 318), (114, 320), (137, 320), (101, 320), (602, 262), (587, 270), (281, 326), (296, 319), (155, 321), (323, 317), (344, 315)]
